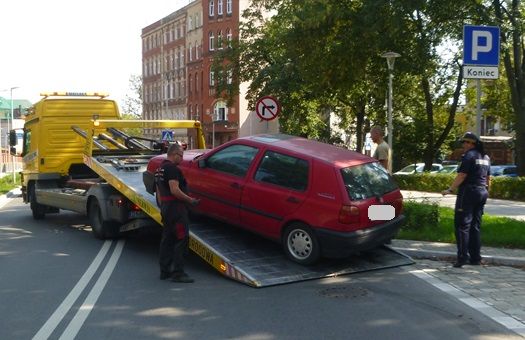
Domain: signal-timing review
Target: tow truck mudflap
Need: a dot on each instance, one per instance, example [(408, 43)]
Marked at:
[(257, 262)]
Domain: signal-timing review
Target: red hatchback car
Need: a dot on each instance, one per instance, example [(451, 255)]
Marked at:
[(313, 198)]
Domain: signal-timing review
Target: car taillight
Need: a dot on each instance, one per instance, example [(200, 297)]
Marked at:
[(348, 214)]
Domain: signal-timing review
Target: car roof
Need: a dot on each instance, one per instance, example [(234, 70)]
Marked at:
[(337, 156)]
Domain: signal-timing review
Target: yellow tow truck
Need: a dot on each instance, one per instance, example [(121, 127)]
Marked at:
[(57, 174)]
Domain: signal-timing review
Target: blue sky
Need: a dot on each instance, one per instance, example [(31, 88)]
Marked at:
[(64, 45)]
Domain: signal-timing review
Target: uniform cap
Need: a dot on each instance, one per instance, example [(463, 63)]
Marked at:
[(470, 137)]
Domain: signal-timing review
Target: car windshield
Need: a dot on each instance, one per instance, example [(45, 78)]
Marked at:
[(367, 180), (408, 168)]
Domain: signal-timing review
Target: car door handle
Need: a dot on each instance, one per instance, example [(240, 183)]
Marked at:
[(235, 185), (292, 199)]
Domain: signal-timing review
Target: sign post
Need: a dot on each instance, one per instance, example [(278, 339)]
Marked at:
[(480, 59), (267, 108)]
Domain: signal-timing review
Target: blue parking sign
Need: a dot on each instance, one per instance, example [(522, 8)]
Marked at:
[(481, 45)]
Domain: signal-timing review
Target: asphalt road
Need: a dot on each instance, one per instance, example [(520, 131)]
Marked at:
[(57, 281)]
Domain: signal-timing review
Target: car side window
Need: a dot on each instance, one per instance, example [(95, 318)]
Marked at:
[(283, 170), (234, 160)]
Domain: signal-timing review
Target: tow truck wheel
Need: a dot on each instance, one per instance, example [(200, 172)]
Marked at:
[(38, 210), (300, 244), (101, 229)]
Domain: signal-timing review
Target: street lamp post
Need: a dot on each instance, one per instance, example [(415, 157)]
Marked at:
[(9, 129), (390, 59)]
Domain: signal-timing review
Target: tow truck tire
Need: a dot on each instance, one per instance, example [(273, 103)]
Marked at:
[(101, 229), (38, 210), (300, 244)]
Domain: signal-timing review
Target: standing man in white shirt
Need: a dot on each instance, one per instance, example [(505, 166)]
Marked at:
[(382, 153)]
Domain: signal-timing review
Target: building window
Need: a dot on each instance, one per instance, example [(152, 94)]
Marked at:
[(229, 75), (191, 52), (211, 39), (190, 23), (211, 8), (220, 111), (212, 78), (197, 47), (196, 83), (229, 37), (219, 40), (219, 7), (229, 6)]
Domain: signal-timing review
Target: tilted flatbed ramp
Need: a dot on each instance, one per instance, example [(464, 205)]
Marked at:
[(236, 253)]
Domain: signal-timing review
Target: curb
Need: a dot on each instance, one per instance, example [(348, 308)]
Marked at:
[(451, 256)]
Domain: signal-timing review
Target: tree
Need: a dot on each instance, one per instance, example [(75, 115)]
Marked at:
[(509, 16), (132, 104)]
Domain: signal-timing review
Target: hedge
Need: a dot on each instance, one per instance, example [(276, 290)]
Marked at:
[(509, 188)]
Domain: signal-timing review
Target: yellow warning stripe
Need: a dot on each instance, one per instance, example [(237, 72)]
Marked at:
[(134, 197)]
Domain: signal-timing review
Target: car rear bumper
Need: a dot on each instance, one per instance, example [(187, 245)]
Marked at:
[(343, 244)]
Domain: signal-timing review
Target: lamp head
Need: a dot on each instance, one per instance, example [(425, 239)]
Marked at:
[(390, 58)]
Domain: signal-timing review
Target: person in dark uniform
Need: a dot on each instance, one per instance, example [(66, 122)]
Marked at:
[(472, 181), (172, 189)]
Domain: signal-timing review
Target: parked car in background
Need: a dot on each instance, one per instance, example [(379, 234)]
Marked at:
[(313, 198), (417, 168), (504, 170), (448, 169)]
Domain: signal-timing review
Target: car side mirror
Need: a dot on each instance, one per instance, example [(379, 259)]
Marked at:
[(202, 163)]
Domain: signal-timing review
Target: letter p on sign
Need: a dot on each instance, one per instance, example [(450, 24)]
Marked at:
[(482, 42), (481, 45)]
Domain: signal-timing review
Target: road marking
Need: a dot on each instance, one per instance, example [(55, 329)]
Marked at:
[(65, 306), (83, 312), (491, 312)]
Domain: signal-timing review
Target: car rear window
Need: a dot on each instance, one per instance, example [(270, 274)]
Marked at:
[(367, 180)]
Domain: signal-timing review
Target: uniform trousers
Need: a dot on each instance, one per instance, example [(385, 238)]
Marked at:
[(467, 221)]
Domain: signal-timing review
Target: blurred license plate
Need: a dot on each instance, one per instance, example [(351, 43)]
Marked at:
[(383, 212)]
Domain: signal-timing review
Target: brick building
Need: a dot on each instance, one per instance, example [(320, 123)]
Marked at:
[(178, 80)]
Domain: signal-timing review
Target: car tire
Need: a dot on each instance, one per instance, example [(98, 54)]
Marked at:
[(38, 210), (300, 244), (101, 229)]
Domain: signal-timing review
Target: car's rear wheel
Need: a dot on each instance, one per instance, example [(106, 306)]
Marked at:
[(300, 244)]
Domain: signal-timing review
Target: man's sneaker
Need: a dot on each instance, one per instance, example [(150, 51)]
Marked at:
[(183, 278), (165, 275)]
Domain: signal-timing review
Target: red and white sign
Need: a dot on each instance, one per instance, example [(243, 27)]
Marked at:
[(267, 108)]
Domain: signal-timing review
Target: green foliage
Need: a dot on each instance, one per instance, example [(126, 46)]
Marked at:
[(7, 184), (429, 182), (510, 188), (420, 215)]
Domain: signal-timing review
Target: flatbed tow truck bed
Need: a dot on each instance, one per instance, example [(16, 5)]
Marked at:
[(235, 253)]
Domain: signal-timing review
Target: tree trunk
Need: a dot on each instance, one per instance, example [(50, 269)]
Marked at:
[(515, 74)]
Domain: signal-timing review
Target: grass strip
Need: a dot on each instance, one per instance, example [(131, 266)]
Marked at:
[(496, 231)]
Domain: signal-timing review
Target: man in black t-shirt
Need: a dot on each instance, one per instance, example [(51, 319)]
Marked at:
[(173, 194), (472, 181)]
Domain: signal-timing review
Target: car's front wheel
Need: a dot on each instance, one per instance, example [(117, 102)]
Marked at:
[(300, 244)]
